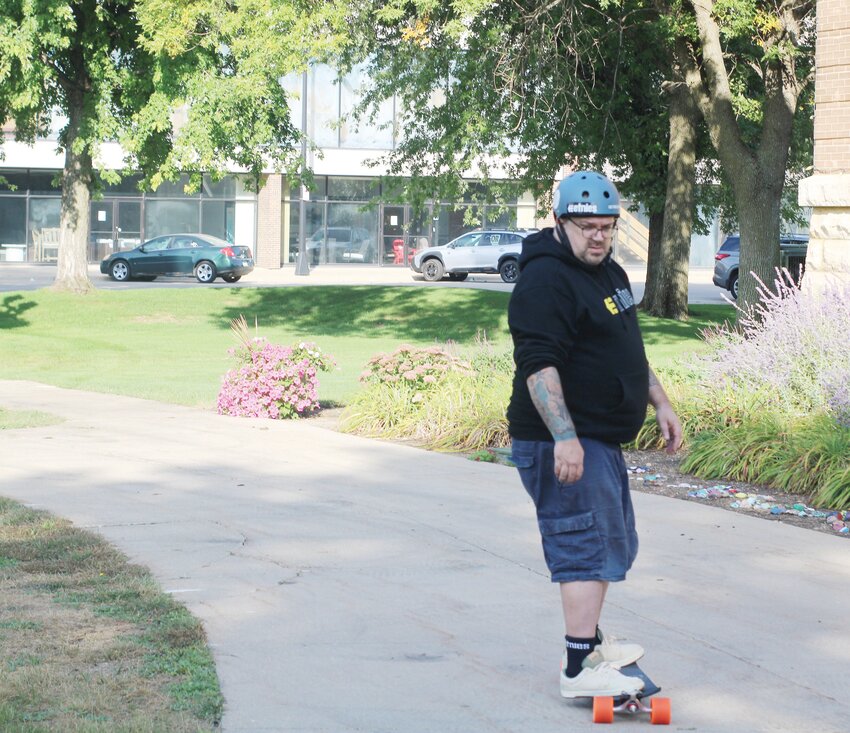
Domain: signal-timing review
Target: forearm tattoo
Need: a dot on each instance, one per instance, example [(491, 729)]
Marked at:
[(547, 395), (653, 380)]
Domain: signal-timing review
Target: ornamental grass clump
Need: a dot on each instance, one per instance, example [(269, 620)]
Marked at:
[(434, 397), (273, 381)]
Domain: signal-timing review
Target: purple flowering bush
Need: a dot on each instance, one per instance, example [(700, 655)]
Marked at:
[(791, 348), (769, 402), (272, 381)]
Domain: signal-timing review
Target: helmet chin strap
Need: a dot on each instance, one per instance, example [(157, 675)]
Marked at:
[(565, 240)]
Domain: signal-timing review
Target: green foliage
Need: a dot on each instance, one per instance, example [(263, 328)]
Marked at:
[(797, 454), (59, 339), (220, 63), (539, 83), (463, 412), (767, 401), (13, 419), (184, 86), (430, 396)]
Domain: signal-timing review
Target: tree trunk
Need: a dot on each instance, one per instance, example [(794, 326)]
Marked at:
[(654, 262), (72, 266), (666, 292), (759, 217), (756, 174)]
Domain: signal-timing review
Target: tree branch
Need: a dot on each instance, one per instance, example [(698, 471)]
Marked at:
[(711, 89)]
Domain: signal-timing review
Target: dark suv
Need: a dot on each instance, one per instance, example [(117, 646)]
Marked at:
[(792, 249)]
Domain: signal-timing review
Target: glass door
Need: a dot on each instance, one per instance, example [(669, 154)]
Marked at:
[(115, 225), (392, 235), (128, 230), (419, 231), (100, 230)]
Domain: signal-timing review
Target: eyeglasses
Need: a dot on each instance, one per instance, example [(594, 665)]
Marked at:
[(589, 230)]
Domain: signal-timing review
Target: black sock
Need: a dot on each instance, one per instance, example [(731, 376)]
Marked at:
[(577, 651)]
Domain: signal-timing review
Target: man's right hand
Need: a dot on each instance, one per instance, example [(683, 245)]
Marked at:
[(569, 460)]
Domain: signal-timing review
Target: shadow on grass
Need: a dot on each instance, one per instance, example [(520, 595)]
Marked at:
[(12, 307), (398, 312), (666, 331)]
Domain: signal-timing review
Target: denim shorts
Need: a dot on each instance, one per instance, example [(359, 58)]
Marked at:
[(587, 527)]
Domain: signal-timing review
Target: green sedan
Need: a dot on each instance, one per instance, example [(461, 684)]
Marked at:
[(204, 256)]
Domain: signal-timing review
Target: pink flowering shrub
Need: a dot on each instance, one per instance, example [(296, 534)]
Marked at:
[(413, 366), (272, 380)]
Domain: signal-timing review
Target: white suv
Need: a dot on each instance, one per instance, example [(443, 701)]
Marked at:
[(490, 251)]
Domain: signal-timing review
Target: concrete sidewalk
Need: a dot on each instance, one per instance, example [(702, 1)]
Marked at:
[(357, 585)]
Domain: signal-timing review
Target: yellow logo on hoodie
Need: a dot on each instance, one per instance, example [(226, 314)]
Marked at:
[(620, 302)]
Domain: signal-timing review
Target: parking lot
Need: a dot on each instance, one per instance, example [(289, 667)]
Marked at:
[(24, 276)]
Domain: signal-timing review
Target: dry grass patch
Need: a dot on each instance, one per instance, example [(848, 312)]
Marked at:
[(88, 643)]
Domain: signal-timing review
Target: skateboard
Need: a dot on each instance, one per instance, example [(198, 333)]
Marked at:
[(658, 708)]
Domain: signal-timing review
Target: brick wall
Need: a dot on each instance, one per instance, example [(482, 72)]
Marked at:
[(269, 221), (832, 88), (828, 190)]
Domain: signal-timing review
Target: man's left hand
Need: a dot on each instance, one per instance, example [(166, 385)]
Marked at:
[(671, 428)]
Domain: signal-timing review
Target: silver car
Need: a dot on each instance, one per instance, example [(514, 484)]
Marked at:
[(792, 248), (488, 251)]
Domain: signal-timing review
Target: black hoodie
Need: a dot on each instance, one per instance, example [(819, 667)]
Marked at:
[(580, 319)]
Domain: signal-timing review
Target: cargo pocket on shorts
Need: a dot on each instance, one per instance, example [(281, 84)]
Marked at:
[(573, 546)]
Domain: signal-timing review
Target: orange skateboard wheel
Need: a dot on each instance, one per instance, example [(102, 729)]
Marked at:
[(660, 711), (603, 709)]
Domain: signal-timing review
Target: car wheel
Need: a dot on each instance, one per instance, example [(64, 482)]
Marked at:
[(231, 278), (458, 276), (205, 271), (119, 270), (733, 287), (432, 270), (509, 270)]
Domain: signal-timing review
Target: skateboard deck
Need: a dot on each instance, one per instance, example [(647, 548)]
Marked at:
[(649, 687)]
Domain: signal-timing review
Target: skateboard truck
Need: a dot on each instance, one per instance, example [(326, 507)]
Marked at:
[(658, 707), (604, 708)]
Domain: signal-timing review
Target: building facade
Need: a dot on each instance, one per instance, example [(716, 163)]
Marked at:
[(346, 221), (828, 190)]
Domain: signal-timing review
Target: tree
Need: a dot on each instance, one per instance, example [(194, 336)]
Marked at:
[(544, 85), (548, 84), (124, 69), (750, 63)]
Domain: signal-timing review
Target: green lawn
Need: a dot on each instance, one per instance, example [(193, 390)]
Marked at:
[(172, 345)]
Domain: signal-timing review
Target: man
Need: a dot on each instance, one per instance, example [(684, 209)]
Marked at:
[(581, 388)]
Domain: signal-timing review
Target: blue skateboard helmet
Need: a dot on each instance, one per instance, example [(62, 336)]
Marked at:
[(586, 193)]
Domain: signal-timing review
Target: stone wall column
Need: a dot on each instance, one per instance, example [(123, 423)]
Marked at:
[(269, 218), (828, 190)]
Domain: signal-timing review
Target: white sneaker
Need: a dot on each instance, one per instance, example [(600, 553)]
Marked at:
[(617, 653), (597, 678)]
